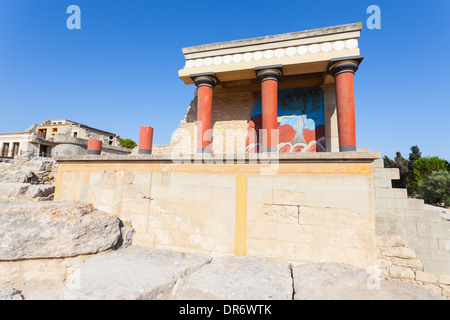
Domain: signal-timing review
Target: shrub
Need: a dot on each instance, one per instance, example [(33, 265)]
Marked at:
[(422, 168), (436, 188)]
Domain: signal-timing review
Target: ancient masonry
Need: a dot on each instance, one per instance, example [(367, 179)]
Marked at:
[(290, 184)]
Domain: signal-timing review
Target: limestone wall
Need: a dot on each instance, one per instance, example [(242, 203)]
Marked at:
[(230, 111), (314, 210), (413, 243)]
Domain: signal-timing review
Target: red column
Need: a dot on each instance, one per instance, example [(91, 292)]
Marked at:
[(343, 70), (345, 106), (94, 147), (252, 138), (269, 96), (205, 84), (145, 139), (204, 109)]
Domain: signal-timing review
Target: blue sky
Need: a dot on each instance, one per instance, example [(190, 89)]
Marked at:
[(120, 71)]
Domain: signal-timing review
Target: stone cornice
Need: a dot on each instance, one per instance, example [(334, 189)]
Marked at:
[(235, 60)]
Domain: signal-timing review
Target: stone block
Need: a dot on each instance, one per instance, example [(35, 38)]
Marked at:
[(434, 254), (359, 201), (444, 244), (382, 183), (110, 179), (422, 215), (386, 173), (262, 230), (340, 254), (426, 277), (255, 211), (136, 191), (401, 273), (378, 163), (397, 214), (96, 178), (343, 236), (421, 242), (294, 233), (410, 263), (391, 193), (433, 229), (444, 279), (399, 252), (136, 205), (259, 195), (285, 197), (142, 178), (281, 214), (389, 241), (438, 267), (310, 215), (348, 182), (283, 250)]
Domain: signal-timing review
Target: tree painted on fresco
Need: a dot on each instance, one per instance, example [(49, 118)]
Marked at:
[(307, 101)]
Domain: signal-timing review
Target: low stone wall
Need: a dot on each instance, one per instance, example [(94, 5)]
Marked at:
[(305, 208)]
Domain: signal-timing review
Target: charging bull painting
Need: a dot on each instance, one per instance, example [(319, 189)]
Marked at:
[(300, 118)]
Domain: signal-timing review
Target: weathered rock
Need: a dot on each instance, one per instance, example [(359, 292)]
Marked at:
[(40, 191), (12, 190), (332, 281), (131, 273), (39, 164), (10, 294), (25, 192), (238, 278), (14, 176), (55, 229)]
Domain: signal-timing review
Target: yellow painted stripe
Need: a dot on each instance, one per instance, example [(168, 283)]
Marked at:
[(225, 168), (240, 236)]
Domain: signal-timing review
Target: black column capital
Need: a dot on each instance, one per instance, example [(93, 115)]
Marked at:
[(273, 72), (343, 65), (208, 79)]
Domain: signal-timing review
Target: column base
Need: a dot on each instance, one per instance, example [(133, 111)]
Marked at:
[(94, 152), (348, 148), (269, 149), (144, 151), (204, 150)]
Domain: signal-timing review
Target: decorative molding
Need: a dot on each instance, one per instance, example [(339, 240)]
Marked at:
[(269, 54)]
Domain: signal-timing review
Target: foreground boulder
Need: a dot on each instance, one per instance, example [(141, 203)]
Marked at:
[(133, 273), (57, 229), (239, 278), (333, 281)]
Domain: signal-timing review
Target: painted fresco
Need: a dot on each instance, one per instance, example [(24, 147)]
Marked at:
[(300, 118)]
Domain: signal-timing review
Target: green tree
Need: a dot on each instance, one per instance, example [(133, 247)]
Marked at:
[(436, 188), (388, 163), (412, 182), (402, 165), (127, 143), (423, 167)]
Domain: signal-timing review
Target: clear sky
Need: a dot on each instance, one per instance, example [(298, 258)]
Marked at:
[(120, 71)]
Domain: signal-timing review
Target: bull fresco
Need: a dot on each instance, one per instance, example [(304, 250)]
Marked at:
[(300, 118)]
